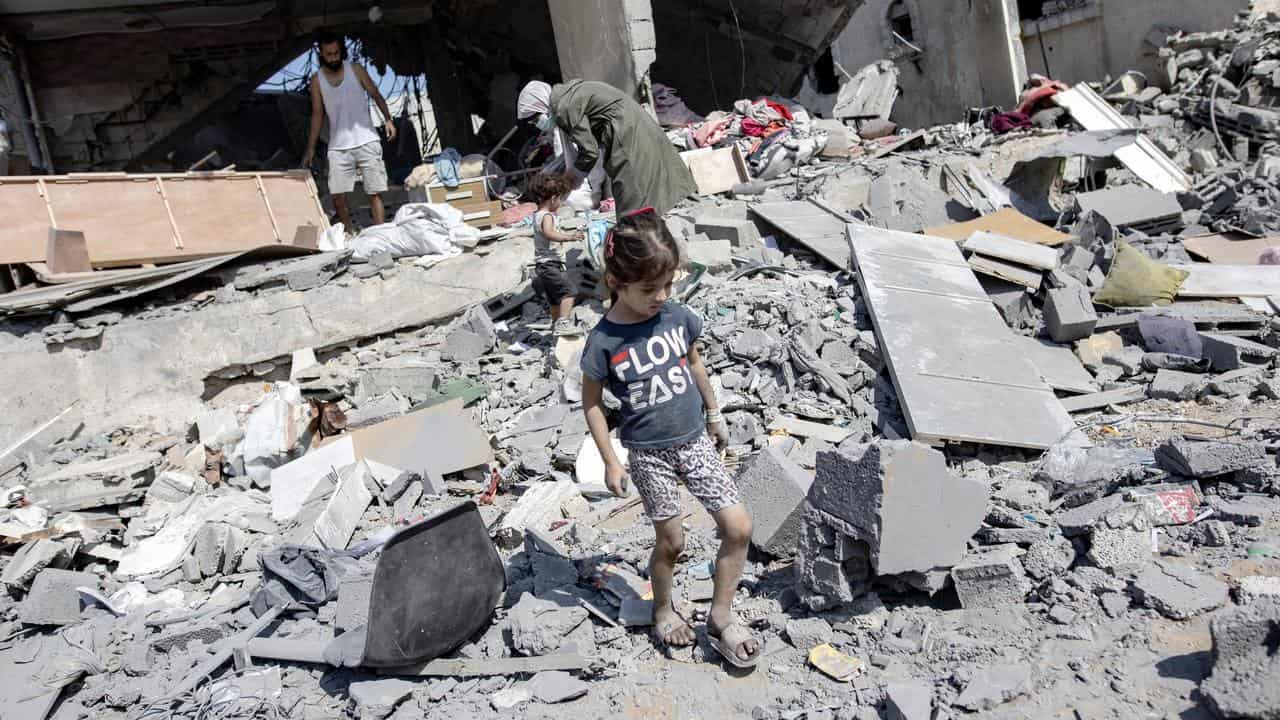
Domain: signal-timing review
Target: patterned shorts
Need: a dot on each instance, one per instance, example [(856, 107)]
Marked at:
[(656, 474)]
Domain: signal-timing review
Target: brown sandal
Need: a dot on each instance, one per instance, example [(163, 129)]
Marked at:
[(729, 640)]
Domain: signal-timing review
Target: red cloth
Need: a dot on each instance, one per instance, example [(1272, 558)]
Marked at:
[(781, 109), (1037, 96), (1002, 123), (752, 127), (516, 213)]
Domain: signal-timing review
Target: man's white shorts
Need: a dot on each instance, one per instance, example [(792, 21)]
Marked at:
[(367, 159)]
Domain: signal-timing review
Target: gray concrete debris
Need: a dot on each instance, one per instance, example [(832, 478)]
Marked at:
[(1238, 383), (908, 701), (994, 686), (1049, 558), (774, 489), (1069, 313), (1227, 352), (53, 599), (354, 592), (714, 255), (1245, 662), (1253, 588), (1195, 459), (877, 489), (538, 626), (990, 578), (1251, 511), (377, 699), (34, 557), (741, 233), (1122, 537), (1177, 591), (555, 686), (1176, 385), (807, 633)]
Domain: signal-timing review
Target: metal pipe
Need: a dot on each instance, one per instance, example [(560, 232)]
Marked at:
[(34, 110)]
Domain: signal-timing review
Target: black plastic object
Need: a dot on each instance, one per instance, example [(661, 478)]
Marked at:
[(436, 584)]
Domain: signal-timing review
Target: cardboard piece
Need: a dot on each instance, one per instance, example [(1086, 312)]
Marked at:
[(1229, 249), (1210, 281), (67, 252), (1006, 222), (716, 170)]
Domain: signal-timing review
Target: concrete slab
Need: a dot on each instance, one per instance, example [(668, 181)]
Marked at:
[(1193, 459), (1177, 591), (1058, 366), (53, 599), (951, 356), (1013, 250)]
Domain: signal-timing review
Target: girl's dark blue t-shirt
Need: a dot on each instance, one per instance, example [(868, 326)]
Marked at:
[(646, 366)]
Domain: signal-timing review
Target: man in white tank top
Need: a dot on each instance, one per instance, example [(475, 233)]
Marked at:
[(341, 91)]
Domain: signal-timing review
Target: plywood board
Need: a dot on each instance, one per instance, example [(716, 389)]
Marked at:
[(1006, 271), (960, 373), (1012, 250), (1228, 250), (716, 170), (136, 219), (811, 226), (1059, 366), (1218, 281), (1007, 222)]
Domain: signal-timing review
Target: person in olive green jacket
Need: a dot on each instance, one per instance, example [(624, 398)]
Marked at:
[(642, 165)]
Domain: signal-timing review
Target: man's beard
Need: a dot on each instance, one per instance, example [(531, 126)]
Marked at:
[(335, 65)]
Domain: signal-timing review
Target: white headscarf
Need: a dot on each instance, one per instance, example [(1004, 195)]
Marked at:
[(535, 98)]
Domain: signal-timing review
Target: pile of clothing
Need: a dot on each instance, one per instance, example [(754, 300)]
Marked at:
[(772, 136)]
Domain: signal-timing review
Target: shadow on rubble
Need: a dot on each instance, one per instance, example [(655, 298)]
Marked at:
[(1193, 666)]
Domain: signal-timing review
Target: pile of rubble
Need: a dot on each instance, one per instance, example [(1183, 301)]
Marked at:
[(1002, 468)]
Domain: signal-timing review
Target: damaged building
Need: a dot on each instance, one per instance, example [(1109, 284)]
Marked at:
[(995, 360)]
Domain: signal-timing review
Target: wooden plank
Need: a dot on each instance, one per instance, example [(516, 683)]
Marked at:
[(1006, 271), (1006, 222), (811, 226), (1013, 250), (1229, 249), (960, 373), (1132, 393), (138, 219), (1059, 366), (1219, 281)]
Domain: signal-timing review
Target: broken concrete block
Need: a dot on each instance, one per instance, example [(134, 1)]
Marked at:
[(378, 698), (554, 686), (990, 578), (1118, 547), (1228, 352), (1049, 558), (1022, 495), (899, 498), (807, 633), (96, 483), (714, 255), (1176, 385), (1252, 512), (216, 427), (538, 626), (1238, 383), (409, 376), (1069, 313), (739, 233), (53, 599), (1194, 459), (34, 557), (538, 507), (774, 489), (1177, 591), (1245, 662), (1079, 520), (1253, 588), (908, 701), (995, 686)]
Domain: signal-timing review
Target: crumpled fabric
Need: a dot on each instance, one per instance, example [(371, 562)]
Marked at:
[(671, 109), (1004, 122), (753, 128), (518, 214), (75, 656), (534, 98), (418, 229), (303, 575), (715, 129), (447, 170)]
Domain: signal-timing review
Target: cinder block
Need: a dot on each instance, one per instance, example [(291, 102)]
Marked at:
[(1068, 312), (989, 579), (1227, 352), (1245, 662), (739, 233), (774, 489), (354, 591), (899, 498)]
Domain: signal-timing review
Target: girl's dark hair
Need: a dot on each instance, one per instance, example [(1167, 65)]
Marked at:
[(640, 248), (550, 185)]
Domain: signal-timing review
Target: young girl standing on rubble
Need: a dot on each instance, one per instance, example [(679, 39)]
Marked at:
[(644, 350), (549, 276)]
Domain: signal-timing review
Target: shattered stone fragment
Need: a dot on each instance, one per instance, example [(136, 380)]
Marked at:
[(1178, 592), (1245, 662), (774, 489), (807, 633), (1194, 459), (994, 686), (1176, 385), (990, 578)]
